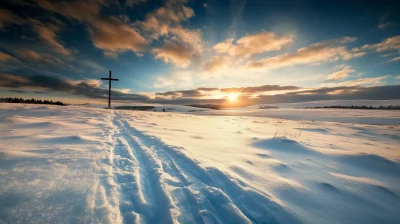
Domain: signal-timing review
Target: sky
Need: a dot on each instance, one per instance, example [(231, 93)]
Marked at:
[(200, 52)]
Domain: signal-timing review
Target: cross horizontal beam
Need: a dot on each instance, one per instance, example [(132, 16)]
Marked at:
[(110, 79)]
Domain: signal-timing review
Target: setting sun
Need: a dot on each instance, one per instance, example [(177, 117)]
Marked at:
[(233, 97)]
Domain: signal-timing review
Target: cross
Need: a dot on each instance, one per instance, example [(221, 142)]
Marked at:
[(109, 89)]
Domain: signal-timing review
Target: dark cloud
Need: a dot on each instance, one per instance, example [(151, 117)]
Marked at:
[(336, 93), (181, 93), (17, 91), (83, 88), (207, 89), (257, 89), (91, 89)]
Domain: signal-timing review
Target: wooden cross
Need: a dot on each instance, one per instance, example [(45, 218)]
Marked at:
[(109, 89)]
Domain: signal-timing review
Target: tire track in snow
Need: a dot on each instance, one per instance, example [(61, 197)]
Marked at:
[(210, 195), (147, 197), (188, 185), (104, 199), (170, 182)]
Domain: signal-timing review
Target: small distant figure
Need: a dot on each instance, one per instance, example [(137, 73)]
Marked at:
[(163, 110)]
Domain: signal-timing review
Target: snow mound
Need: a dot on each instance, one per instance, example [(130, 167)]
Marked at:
[(373, 162), (283, 145)]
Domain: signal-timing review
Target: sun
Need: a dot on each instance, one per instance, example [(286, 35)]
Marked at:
[(233, 97)]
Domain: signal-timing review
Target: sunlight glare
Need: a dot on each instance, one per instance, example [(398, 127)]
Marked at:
[(233, 97)]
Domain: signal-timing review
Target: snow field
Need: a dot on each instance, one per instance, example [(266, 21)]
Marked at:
[(86, 165)]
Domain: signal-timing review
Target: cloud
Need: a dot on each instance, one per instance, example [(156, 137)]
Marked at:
[(383, 25), (8, 17), (259, 89), (88, 88), (17, 91), (111, 34), (126, 90), (359, 82), (215, 63), (48, 35), (82, 10), (164, 22), (92, 89), (388, 44), (178, 54), (207, 89), (92, 65), (6, 57), (394, 59), (212, 93), (250, 45), (116, 35), (180, 94), (8, 80), (190, 37), (344, 73), (330, 50), (33, 56), (131, 3), (160, 21), (224, 46)]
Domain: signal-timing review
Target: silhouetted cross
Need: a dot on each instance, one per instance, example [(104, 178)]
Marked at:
[(109, 89)]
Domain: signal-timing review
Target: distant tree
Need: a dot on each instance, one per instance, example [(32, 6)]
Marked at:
[(30, 101)]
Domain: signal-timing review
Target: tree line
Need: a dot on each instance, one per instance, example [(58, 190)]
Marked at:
[(389, 107), (31, 101)]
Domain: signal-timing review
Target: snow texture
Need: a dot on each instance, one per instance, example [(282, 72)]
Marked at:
[(90, 165)]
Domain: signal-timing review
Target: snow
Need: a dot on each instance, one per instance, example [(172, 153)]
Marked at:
[(89, 165), (353, 116)]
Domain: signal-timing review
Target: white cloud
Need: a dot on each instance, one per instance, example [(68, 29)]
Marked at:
[(383, 25), (215, 63), (394, 59), (388, 44), (358, 82), (250, 45), (330, 50), (342, 74)]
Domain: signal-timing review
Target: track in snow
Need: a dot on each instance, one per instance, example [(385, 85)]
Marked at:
[(157, 183)]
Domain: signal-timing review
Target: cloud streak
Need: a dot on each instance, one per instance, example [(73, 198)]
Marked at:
[(342, 74), (4, 57), (8, 17), (250, 45), (330, 50), (388, 44)]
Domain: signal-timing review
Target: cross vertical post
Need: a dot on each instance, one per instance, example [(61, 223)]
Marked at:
[(109, 92), (109, 88)]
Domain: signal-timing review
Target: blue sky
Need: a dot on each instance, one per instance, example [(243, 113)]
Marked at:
[(160, 49)]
